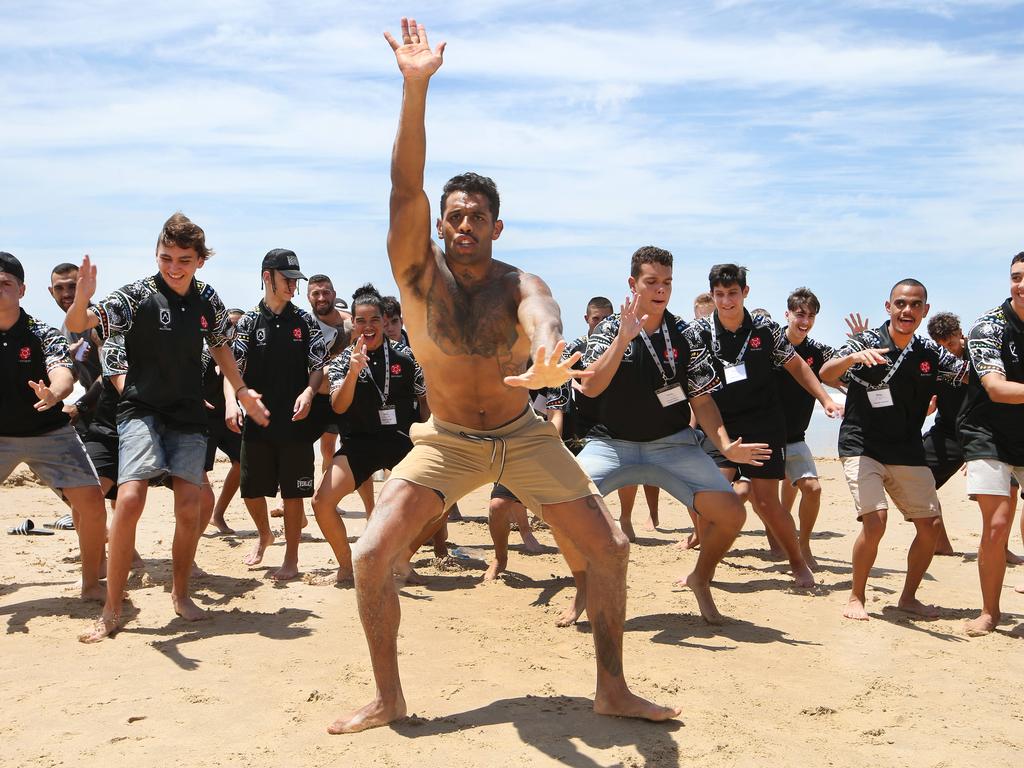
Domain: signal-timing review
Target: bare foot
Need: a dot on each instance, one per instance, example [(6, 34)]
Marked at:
[(96, 592), (803, 578), (138, 564), (917, 608), (981, 626), (373, 715), (256, 556), (1019, 589), (197, 571), (221, 526), (189, 611), (812, 564), (530, 543), (496, 567), (405, 574), (345, 574), (572, 614), (285, 573), (650, 525), (277, 512), (690, 542), (706, 603), (627, 528), (1012, 559), (775, 554), (630, 705), (855, 610), (944, 551), (106, 626)]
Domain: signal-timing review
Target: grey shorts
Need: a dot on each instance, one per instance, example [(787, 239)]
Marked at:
[(150, 450), (58, 458), (991, 477), (799, 462)]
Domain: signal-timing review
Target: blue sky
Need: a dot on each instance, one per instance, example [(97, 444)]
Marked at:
[(842, 145)]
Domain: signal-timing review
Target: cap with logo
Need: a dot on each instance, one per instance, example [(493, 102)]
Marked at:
[(11, 266), (285, 262)]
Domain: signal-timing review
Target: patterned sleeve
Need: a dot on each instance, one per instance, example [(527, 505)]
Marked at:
[(240, 344), (985, 345), (952, 370), (782, 350), (856, 343), (599, 341), (338, 369), (218, 335), (117, 311), (114, 357), (317, 344), (560, 398), (701, 378), (54, 344), (827, 352)]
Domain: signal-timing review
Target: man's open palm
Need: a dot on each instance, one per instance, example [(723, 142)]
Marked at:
[(415, 59)]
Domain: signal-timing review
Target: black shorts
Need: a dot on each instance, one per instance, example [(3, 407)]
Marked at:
[(227, 442), (103, 454), (269, 466), (773, 469), (499, 491), (943, 456), (367, 454), (322, 417)]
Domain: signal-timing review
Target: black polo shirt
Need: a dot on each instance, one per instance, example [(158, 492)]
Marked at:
[(797, 402), (751, 408), (114, 361), (164, 335), (405, 383), (276, 354), (892, 434), (29, 350), (629, 408), (580, 411), (994, 430)]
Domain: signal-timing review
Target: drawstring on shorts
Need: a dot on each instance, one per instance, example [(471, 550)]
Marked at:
[(493, 440)]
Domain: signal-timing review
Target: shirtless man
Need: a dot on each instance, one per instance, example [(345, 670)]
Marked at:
[(473, 322)]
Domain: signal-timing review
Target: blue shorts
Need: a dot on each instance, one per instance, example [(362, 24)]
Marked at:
[(58, 458), (150, 450), (676, 463), (799, 462)]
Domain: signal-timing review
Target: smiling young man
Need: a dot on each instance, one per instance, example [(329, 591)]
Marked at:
[(992, 434), (747, 351), (279, 349), (891, 375), (473, 322), (161, 417)]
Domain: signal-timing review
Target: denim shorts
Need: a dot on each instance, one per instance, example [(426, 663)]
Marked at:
[(58, 458), (150, 450), (676, 463), (799, 462)]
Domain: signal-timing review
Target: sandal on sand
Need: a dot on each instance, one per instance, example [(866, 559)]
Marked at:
[(65, 523), (28, 528)]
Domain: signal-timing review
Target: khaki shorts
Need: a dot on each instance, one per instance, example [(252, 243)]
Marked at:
[(526, 456), (912, 488)]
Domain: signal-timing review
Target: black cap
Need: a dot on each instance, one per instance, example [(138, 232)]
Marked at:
[(285, 262), (11, 266)]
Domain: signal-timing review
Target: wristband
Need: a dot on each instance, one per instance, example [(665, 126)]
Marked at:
[(239, 390)]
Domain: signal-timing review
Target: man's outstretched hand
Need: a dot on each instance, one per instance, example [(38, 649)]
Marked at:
[(415, 59), (549, 370)]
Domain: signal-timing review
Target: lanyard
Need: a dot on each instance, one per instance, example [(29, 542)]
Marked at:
[(892, 369), (668, 351), (387, 376), (716, 346)]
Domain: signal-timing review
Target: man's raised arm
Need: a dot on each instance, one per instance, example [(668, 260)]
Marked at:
[(409, 234)]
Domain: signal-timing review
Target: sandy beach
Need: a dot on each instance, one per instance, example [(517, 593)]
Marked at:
[(490, 679)]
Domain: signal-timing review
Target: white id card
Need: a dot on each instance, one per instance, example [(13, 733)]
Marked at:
[(880, 398), (734, 373), (388, 417), (671, 395)]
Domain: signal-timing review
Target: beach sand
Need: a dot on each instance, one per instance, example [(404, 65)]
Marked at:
[(489, 679)]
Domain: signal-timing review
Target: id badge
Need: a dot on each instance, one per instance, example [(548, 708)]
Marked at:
[(880, 398), (734, 373), (388, 417), (671, 395)]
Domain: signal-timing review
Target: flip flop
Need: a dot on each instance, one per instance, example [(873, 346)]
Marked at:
[(28, 528), (65, 523)]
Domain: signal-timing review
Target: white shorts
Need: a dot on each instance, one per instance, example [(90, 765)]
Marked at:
[(991, 477), (799, 462)]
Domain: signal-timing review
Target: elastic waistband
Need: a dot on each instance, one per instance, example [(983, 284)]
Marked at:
[(524, 419)]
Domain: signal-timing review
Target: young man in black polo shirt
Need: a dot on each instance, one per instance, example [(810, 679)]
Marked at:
[(83, 348), (161, 417), (992, 433), (798, 406), (746, 352), (891, 374), (280, 349), (36, 377), (648, 370)]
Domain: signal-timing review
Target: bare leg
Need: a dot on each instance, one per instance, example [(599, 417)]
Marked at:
[(723, 518), (865, 550), (258, 512), (627, 498), (403, 516), (766, 498), (498, 519), (91, 528), (522, 521), (996, 521), (578, 567), (810, 503), (328, 447), (1012, 559), (337, 483), (922, 549), (131, 498), (651, 495), (943, 546), (587, 524), (183, 551), (206, 502), (366, 494), (440, 540), (227, 493), (294, 517)]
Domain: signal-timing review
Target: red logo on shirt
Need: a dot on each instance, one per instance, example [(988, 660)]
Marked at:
[(926, 367), (25, 354), (297, 334), (675, 354), (755, 343), (395, 369), (202, 322), (810, 361)]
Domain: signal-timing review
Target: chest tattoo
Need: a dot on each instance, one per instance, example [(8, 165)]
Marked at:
[(479, 323)]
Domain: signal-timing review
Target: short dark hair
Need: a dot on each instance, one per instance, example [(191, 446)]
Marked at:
[(649, 254), (600, 302), (803, 298), (181, 231), (366, 294), (318, 278), (912, 283), (726, 275), (64, 268), (1018, 258), (390, 306), (474, 184), (943, 325)]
